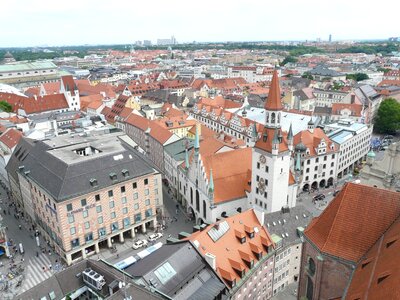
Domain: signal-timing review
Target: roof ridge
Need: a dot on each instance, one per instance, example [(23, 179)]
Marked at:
[(334, 219)]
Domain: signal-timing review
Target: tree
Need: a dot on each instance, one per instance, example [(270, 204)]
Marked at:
[(288, 59), (357, 76), (307, 75), (388, 117), (5, 106)]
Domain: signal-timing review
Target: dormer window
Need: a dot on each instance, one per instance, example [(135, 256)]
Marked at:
[(113, 176), (93, 182), (125, 173)]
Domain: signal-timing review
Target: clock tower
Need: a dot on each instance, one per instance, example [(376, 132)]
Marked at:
[(272, 184)]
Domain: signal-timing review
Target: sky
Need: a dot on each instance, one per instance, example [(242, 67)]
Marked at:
[(76, 22)]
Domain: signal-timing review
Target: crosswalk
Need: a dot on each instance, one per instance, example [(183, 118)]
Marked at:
[(34, 273)]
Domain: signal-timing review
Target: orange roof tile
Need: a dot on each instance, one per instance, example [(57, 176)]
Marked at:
[(382, 260), (312, 140), (354, 221), (69, 84), (51, 87), (11, 137), (355, 109), (229, 251), (274, 96), (267, 144)]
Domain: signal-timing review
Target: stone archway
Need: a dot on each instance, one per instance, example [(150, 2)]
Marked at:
[(330, 181), (314, 185), (306, 187), (322, 183)]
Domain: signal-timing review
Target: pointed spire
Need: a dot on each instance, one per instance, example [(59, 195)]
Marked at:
[(211, 183), (187, 158), (274, 95), (290, 133), (197, 138)]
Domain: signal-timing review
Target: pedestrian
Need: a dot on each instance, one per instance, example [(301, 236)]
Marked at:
[(50, 266), (19, 226), (44, 269)]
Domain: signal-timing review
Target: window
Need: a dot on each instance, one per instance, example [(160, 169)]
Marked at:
[(134, 185), (127, 222), (123, 189), (113, 215), (83, 202), (135, 196), (69, 207), (123, 199), (71, 219), (146, 192), (97, 197), (102, 232), (266, 169), (88, 237), (136, 206), (100, 220), (146, 181), (156, 191), (98, 208), (72, 230), (111, 204), (110, 193), (258, 165), (148, 213), (125, 210), (85, 214), (147, 201), (87, 225), (75, 243), (114, 226), (138, 218), (311, 266)]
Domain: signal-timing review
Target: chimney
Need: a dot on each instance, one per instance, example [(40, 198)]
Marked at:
[(211, 259)]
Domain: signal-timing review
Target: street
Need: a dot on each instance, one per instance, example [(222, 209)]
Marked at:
[(24, 270)]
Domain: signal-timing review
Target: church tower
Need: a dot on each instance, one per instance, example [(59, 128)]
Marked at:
[(272, 183)]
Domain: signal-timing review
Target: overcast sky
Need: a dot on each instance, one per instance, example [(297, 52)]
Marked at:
[(73, 22)]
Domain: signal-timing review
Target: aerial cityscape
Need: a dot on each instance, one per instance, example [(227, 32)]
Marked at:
[(213, 150)]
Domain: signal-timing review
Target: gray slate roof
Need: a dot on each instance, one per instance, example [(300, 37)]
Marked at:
[(61, 172), (188, 265), (288, 223), (67, 281), (323, 71), (177, 149)]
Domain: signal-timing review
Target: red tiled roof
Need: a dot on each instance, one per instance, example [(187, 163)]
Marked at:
[(355, 109), (230, 253), (156, 131), (51, 87), (354, 221), (389, 82), (69, 84), (11, 137), (312, 139), (267, 144), (377, 275), (274, 96)]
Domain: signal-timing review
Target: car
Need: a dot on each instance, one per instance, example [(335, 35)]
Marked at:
[(155, 236), (336, 192), (319, 197), (139, 244)]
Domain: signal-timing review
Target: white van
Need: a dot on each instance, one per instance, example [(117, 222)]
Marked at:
[(21, 248)]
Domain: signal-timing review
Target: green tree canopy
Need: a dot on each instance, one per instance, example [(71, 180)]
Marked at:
[(5, 106), (307, 75), (288, 59), (357, 76), (388, 117)]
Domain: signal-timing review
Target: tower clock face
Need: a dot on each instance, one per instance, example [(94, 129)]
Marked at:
[(263, 160)]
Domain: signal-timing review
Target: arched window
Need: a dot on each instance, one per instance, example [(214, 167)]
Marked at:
[(204, 209), (311, 266), (191, 196), (267, 117), (273, 118), (310, 288), (197, 200), (279, 117)]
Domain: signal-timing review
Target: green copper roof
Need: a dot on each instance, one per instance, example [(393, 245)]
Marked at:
[(27, 66)]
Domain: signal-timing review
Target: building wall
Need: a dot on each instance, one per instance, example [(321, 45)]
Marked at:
[(353, 150), (259, 285), (327, 98), (275, 173), (90, 215), (331, 275)]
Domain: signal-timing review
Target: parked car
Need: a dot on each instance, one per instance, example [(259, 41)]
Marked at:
[(336, 192), (139, 244), (155, 236), (319, 197)]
